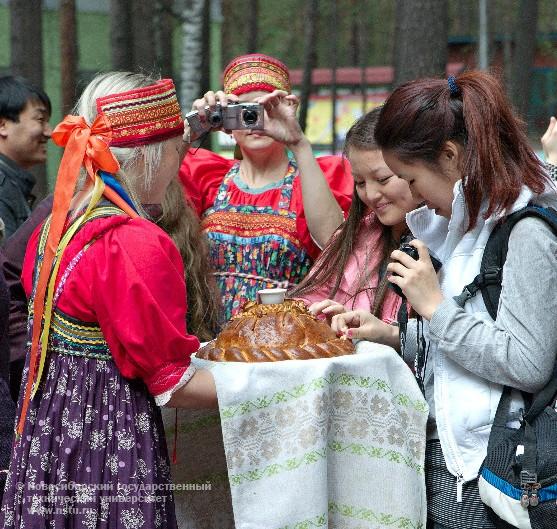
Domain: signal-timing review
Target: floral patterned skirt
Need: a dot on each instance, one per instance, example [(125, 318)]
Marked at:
[(92, 454)]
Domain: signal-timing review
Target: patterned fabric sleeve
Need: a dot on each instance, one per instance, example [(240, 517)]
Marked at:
[(339, 177), (201, 174)]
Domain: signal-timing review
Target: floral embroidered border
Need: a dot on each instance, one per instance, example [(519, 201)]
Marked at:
[(343, 379)]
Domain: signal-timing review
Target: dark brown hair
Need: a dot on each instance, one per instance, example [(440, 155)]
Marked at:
[(180, 221), (420, 116), (330, 265)]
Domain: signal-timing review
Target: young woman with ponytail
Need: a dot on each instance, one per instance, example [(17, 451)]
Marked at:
[(465, 154)]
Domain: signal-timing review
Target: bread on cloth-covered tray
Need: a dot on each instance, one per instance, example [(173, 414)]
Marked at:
[(269, 333)]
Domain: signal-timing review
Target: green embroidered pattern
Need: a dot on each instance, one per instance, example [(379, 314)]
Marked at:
[(313, 456), (342, 379), (379, 520), (383, 519), (319, 521), (278, 468), (392, 456)]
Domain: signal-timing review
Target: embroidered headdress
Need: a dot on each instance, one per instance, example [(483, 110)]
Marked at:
[(137, 117), (254, 72), (144, 115)]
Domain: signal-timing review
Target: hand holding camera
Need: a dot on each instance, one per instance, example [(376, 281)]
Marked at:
[(272, 114), (414, 276), (217, 111), (282, 125)]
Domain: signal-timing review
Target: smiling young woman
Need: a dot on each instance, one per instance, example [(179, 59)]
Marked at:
[(350, 273)]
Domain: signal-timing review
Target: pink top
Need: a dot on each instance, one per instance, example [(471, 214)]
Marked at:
[(367, 253)]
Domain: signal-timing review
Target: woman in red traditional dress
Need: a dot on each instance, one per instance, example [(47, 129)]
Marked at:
[(109, 342), (268, 214)]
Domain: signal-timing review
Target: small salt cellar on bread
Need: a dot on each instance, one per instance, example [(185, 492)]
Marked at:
[(274, 329)]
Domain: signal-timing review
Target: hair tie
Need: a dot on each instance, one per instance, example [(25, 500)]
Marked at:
[(453, 87)]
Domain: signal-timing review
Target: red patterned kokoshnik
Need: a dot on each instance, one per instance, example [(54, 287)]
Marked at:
[(144, 115), (255, 72)]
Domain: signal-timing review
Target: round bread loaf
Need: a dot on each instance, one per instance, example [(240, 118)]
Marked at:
[(268, 333)]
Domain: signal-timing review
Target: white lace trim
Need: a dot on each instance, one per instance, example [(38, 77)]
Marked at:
[(163, 398)]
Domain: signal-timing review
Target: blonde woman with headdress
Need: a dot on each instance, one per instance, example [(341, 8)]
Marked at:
[(108, 287)]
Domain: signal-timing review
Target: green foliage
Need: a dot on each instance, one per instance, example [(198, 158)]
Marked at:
[(4, 37)]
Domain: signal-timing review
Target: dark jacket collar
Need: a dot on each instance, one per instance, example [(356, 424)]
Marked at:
[(22, 178)]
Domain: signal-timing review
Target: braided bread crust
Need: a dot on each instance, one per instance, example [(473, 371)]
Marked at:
[(270, 333)]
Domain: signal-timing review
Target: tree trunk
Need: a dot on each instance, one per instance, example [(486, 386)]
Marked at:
[(483, 36), (363, 43), (27, 40), (205, 73), (192, 47), (334, 62), (310, 58), (507, 20), (26, 36), (143, 35), (164, 28), (228, 31), (121, 35), (524, 53), (420, 39), (355, 36), (68, 54), (253, 26)]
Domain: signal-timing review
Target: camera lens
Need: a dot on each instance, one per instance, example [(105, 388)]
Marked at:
[(215, 118), (250, 117)]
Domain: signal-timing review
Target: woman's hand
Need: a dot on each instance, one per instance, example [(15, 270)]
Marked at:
[(549, 142), (204, 106), (281, 122), (210, 100), (362, 325), (417, 279), (327, 307)]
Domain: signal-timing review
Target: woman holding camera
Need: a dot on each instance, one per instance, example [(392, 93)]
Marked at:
[(350, 272), (462, 151), (268, 214)]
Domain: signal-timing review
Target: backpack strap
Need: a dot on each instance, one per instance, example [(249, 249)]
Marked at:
[(489, 280)]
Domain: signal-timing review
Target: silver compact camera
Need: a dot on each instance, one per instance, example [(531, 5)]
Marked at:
[(235, 116)]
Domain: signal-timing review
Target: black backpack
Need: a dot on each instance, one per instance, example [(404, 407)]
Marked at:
[(518, 478)]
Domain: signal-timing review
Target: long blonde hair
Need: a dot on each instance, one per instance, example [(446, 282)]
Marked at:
[(180, 221)]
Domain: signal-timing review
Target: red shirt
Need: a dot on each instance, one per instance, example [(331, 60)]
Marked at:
[(202, 173), (131, 282)]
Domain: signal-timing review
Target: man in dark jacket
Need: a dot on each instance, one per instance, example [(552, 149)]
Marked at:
[(24, 133), (11, 264)]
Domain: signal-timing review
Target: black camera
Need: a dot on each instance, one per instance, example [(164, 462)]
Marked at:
[(408, 249), (234, 116)]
